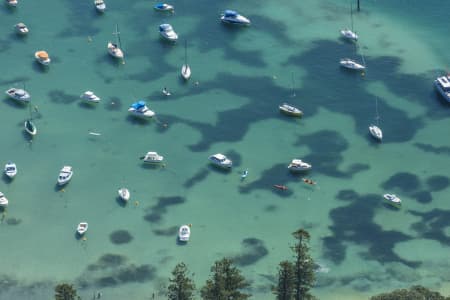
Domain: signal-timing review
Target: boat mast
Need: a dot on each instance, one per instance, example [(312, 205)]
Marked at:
[(292, 79), (117, 33), (377, 117), (351, 15), (185, 52)]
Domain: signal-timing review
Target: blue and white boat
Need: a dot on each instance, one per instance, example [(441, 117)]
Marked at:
[(232, 17), (167, 32), (140, 109), (10, 170), (19, 95), (164, 7), (442, 84)]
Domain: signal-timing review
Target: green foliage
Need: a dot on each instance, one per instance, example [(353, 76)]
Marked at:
[(303, 266), (286, 279), (416, 292), (181, 287), (226, 282), (65, 291)]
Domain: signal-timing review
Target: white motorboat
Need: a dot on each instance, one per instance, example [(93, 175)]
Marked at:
[(184, 233), (90, 97), (221, 160), (290, 110), (185, 69), (232, 17), (351, 64), (3, 201), (65, 175), (297, 165), (42, 57), (21, 28), (140, 109), (167, 32), (30, 128), (152, 158), (164, 7), (376, 132), (10, 170), (100, 5), (124, 194), (82, 228), (12, 3), (442, 84), (114, 49), (166, 92), (19, 94), (349, 34), (393, 200)]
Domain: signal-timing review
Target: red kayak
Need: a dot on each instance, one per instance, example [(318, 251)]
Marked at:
[(280, 187)]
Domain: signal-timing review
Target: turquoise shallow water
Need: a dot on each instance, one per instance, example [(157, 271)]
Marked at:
[(363, 246)]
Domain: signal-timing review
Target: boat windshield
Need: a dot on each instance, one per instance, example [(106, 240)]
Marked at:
[(230, 13)]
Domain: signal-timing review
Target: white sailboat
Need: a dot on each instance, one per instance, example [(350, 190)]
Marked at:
[(114, 49), (375, 130), (30, 128), (185, 69), (349, 34)]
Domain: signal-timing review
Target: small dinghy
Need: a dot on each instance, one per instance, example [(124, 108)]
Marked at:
[(30, 128), (124, 194), (82, 228), (21, 29), (244, 174)]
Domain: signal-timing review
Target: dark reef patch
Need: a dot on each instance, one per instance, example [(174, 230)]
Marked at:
[(120, 237), (154, 214), (433, 225), (61, 97), (423, 197), (107, 261), (198, 177), (253, 251), (406, 182), (438, 182)]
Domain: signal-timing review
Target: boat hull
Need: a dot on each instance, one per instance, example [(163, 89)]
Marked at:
[(186, 72), (444, 95), (30, 128)]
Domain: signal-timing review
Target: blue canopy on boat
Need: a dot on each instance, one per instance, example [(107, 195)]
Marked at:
[(165, 27), (138, 105), (230, 13)]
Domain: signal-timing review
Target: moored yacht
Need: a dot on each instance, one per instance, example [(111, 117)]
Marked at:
[(65, 175), (163, 7), (184, 233), (19, 94), (232, 17), (3, 200), (152, 158), (12, 3), (349, 34), (290, 110), (167, 32), (90, 97), (351, 64), (442, 84), (21, 28), (124, 194), (100, 5), (221, 160), (42, 57), (140, 109), (82, 228), (297, 165), (114, 50), (393, 200), (10, 170), (376, 132)]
